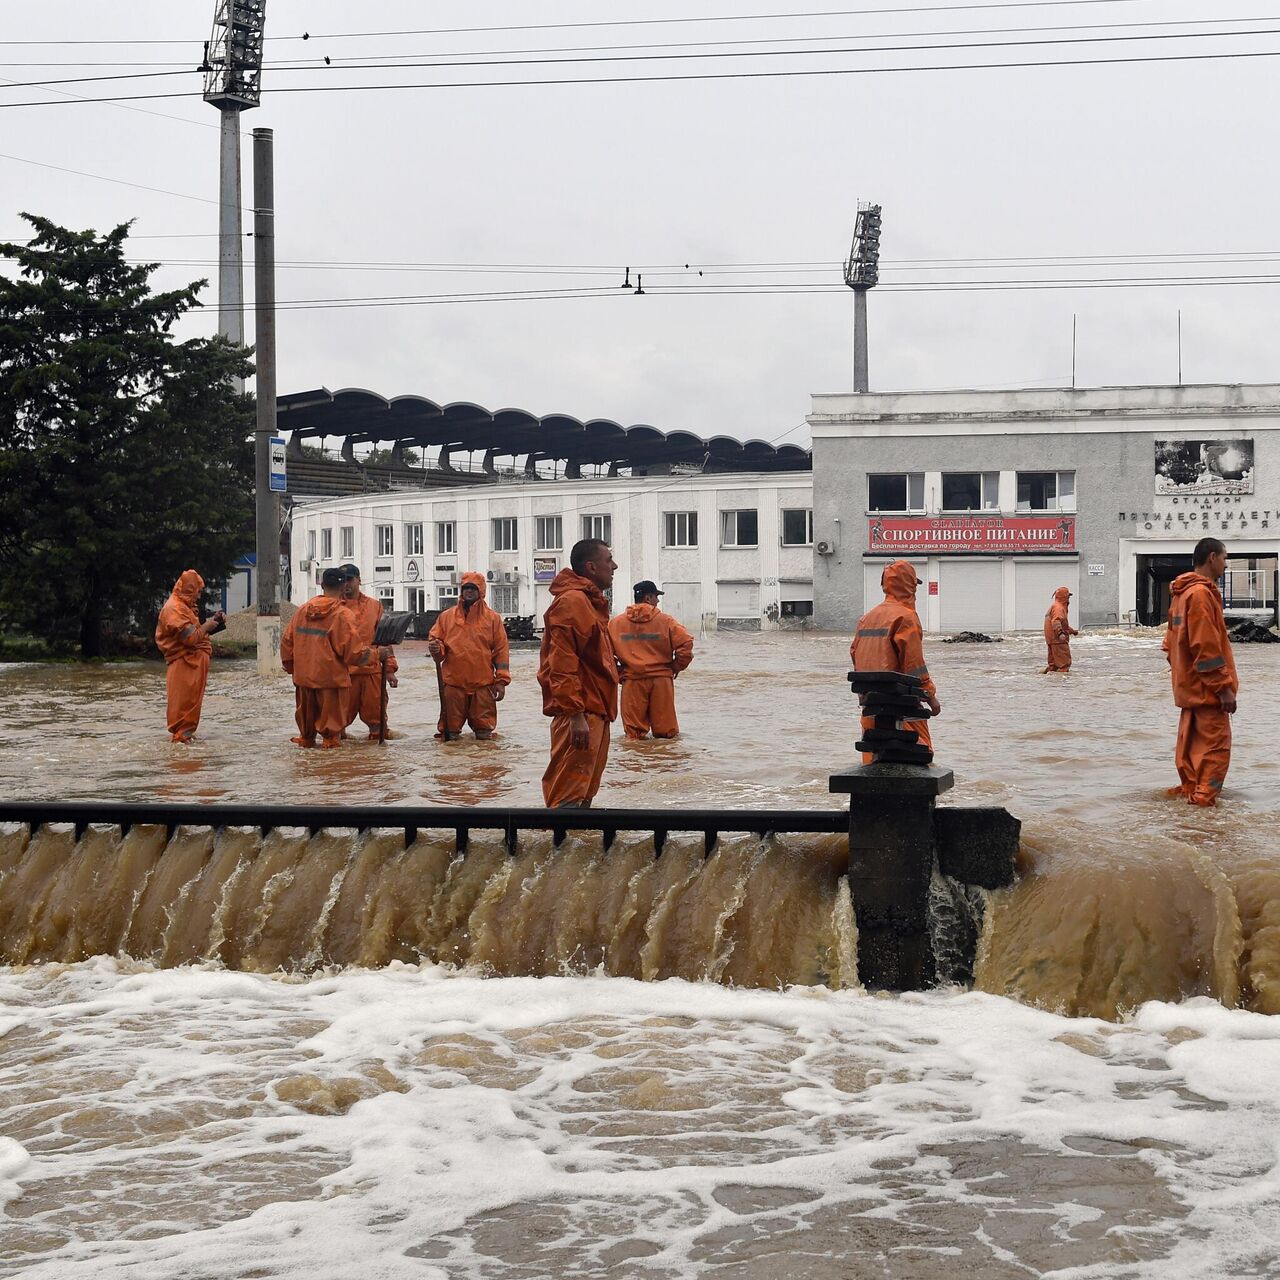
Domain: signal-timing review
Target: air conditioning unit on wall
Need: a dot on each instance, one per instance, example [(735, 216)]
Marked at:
[(823, 548)]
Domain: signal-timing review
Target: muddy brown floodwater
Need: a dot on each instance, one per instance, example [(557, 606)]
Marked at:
[(400, 1114)]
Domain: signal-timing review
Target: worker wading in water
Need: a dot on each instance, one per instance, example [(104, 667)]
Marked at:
[(1058, 632), (184, 641), (364, 697), (651, 648), (579, 677), (890, 638), (470, 643), (318, 649), (1204, 676)]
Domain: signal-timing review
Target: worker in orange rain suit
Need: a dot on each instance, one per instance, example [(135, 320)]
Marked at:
[(890, 638), (364, 698), (652, 648), (184, 641), (470, 643), (1204, 676), (318, 648), (579, 677), (1058, 632)]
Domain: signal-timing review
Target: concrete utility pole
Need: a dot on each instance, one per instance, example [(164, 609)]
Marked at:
[(267, 505), (233, 83), (862, 272)]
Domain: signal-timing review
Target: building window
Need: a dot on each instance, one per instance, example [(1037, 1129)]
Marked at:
[(413, 539), (384, 539), (546, 534), (1046, 490), (797, 609), (388, 596), (347, 542), (505, 600), (903, 491), (739, 529), (971, 491), (326, 544), (446, 537), (416, 599), (598, 527), (680, 529), (797, 527), (311, 544), (448, 597), (504, 534)]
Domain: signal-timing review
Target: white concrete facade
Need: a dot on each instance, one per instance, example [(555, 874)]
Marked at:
[(738, 572)]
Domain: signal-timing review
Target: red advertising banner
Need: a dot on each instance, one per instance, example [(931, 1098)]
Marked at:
[(944, 535)]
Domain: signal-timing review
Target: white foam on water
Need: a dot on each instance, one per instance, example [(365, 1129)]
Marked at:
[(422, 1122)]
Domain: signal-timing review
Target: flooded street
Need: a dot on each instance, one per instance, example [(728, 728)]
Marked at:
[(382, 1115)]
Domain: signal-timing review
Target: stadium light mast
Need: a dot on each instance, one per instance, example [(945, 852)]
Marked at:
[(862, 272), (233, 83)]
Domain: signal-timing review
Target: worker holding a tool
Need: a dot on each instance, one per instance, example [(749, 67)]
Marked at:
[(473, 664)]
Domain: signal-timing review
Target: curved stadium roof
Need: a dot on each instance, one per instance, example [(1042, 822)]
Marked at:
[(358, 416)]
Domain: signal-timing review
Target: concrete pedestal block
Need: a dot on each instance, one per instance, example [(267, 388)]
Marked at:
[(269, 646)]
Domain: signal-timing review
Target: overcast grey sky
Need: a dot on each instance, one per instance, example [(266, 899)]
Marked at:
[(1153, 158)]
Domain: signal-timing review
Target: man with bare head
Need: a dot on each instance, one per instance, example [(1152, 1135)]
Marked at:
[(364, 697), (1204, 676), (579, 676)]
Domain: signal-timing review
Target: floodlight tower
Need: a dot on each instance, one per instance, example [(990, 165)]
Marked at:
[(862, 272), (233, 83)]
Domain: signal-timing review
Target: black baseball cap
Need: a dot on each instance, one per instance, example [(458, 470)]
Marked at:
[(332, 578), (646, 588), (348, 571)]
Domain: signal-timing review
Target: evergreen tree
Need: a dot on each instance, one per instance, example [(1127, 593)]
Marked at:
[(125, 454)]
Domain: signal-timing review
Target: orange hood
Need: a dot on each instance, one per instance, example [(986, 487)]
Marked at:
[(900, 581), (475, 580), (640, 612), (566, 580), (1192, 581), (188, 587), (321, 607), (1063, 594)]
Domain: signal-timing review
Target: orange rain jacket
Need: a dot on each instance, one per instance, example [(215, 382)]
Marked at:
[(890, 637), (365, 612), (1196, 644), (476, 653), (320, 645), (179, 635), (576, 666), (1057, 629), (647, 642)]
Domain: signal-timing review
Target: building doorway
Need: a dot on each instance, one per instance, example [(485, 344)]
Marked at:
[(1248, 587)]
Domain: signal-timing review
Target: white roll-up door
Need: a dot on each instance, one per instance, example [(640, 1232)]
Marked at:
[(683, 601), (970, 595), (738, 599), (873, 592), (1035, 581)]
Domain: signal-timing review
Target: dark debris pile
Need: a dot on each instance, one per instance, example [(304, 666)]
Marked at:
[(972, 637)]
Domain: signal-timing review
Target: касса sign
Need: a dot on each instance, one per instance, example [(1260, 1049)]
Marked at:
[(938, 535)]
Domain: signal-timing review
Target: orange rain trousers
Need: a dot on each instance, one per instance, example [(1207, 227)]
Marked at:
[(920, 726), (321, 711), (649, 703), (1059, 656), (1203, 753), (364, 699), (184, 682), (478, 711), (573, 776)]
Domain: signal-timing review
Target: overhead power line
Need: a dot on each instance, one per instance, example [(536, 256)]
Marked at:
[(521, 61), (620, 22), (705, 76)]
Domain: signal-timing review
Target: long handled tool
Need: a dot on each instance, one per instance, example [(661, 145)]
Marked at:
[(449, 735), (382, 700)]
